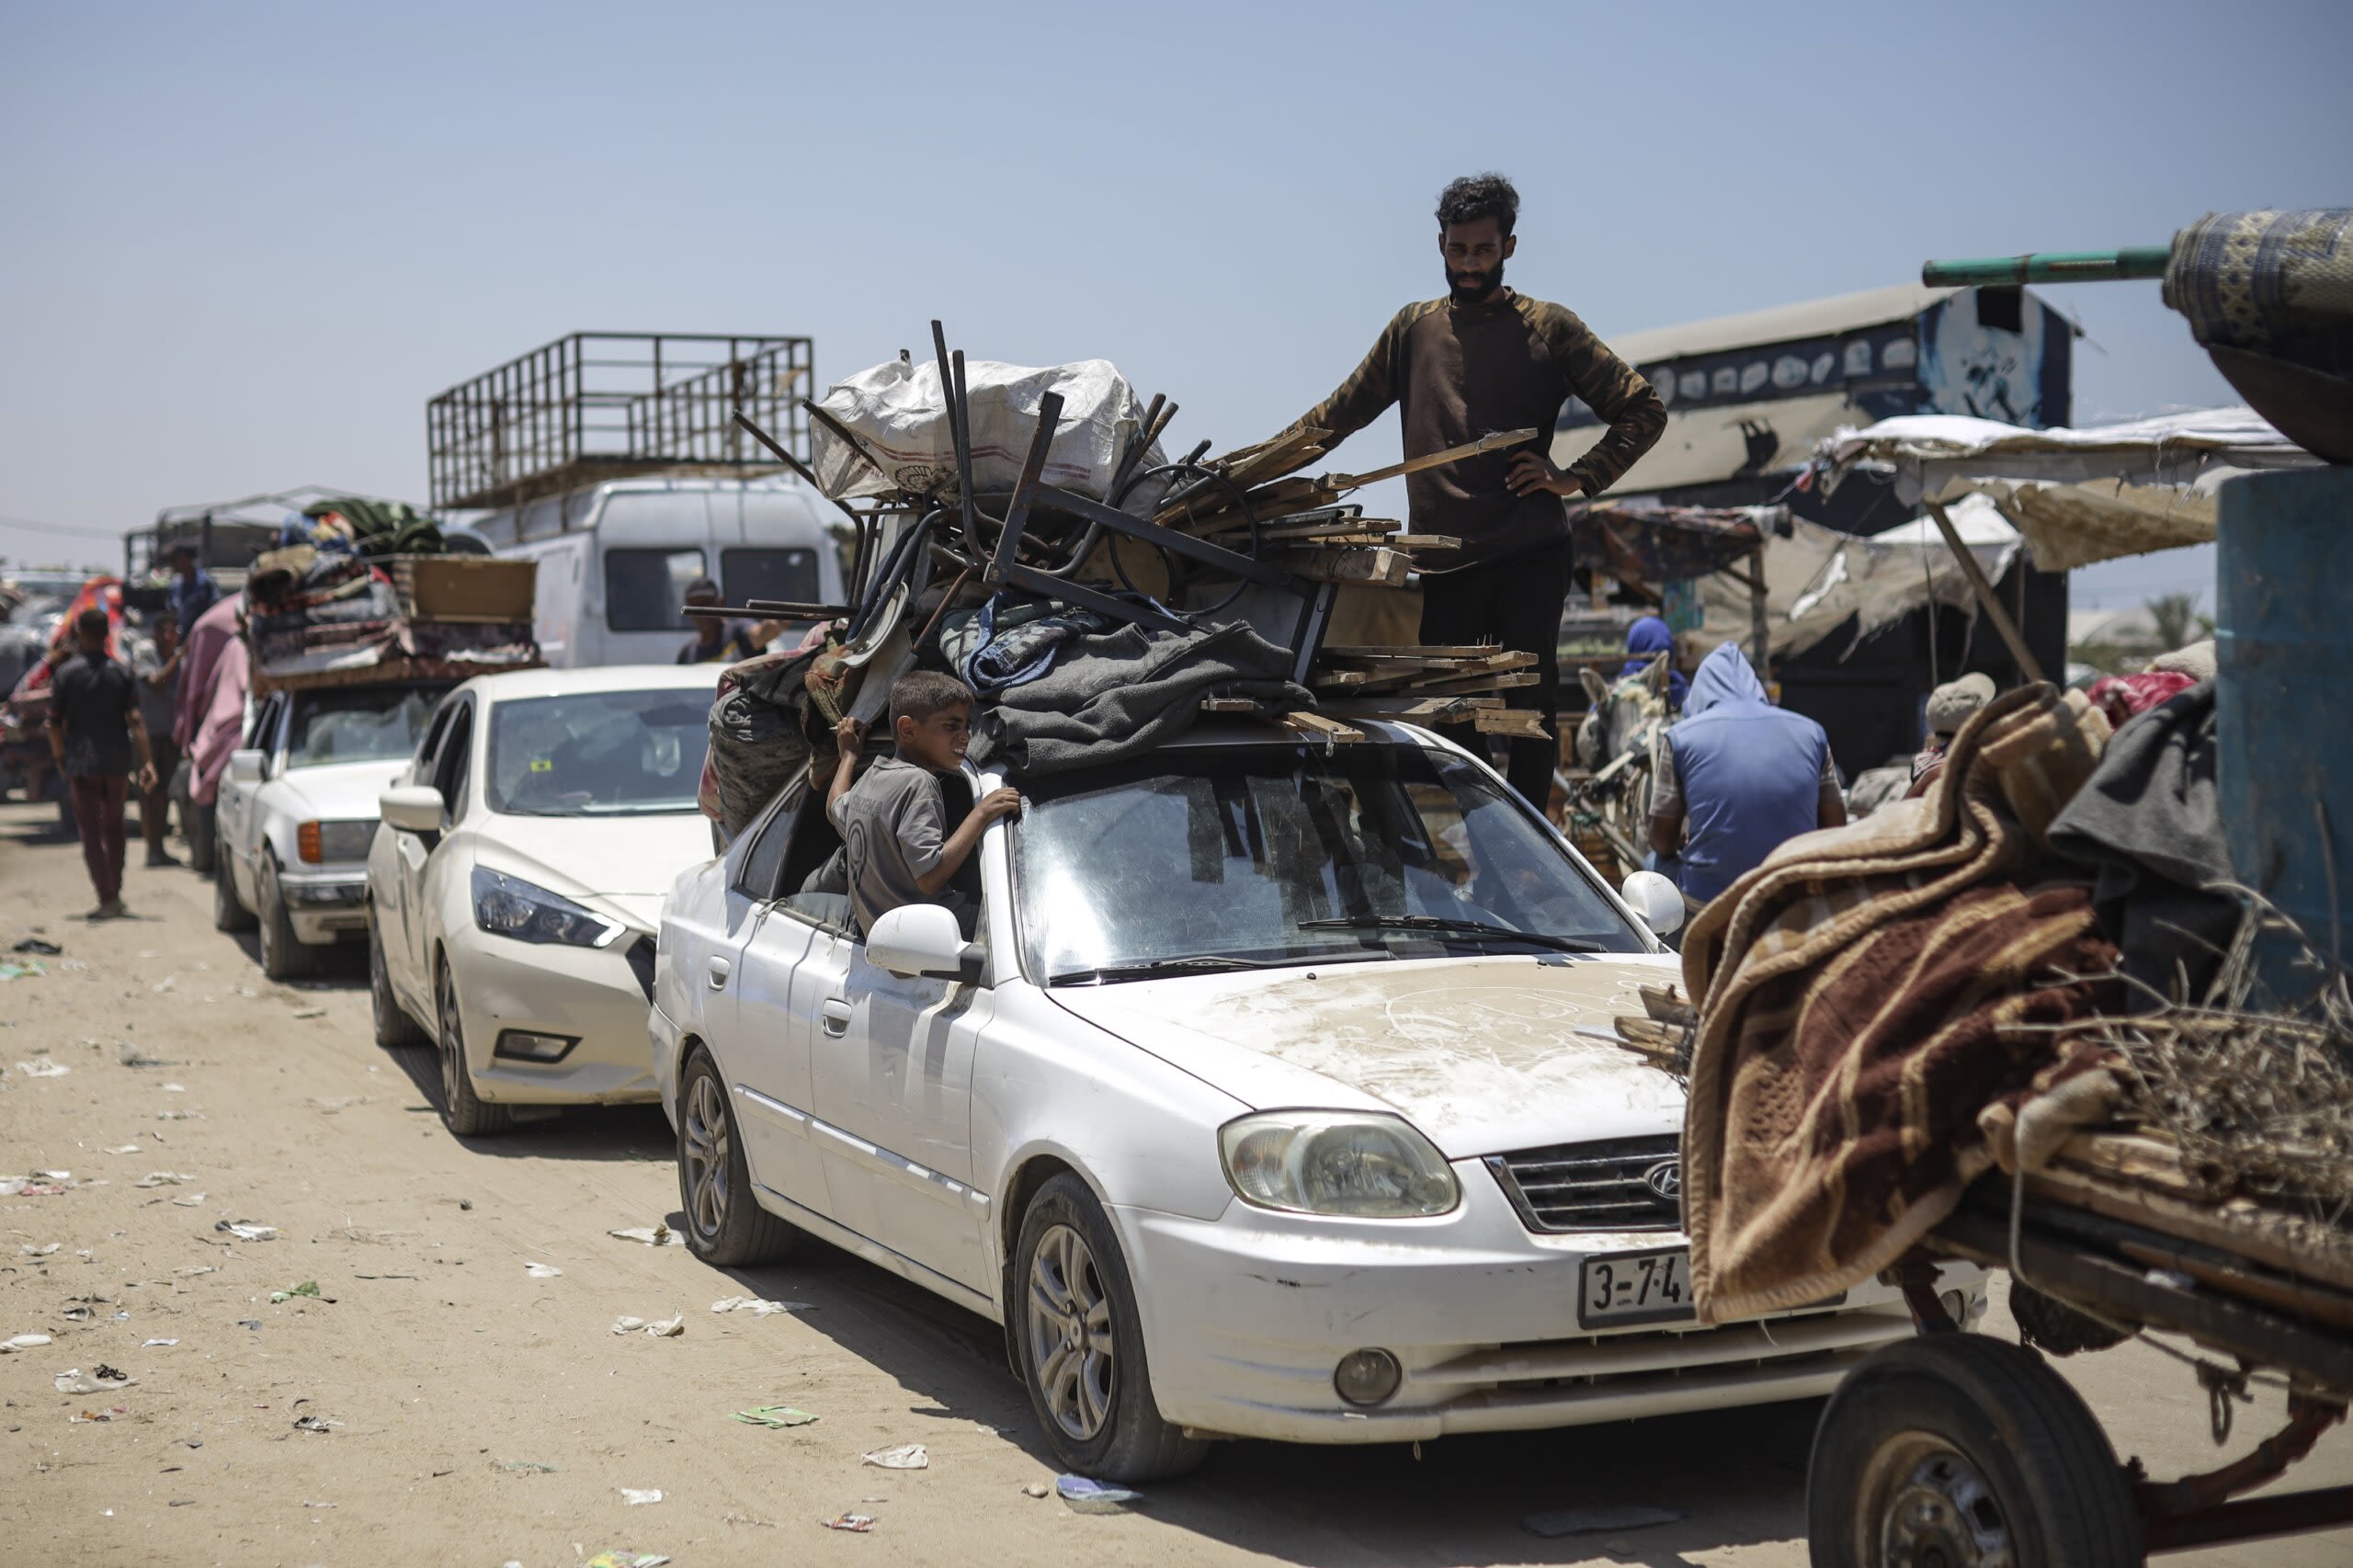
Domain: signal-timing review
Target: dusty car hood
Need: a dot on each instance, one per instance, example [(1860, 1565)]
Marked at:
[(339, 792), (628, 863), (1482, 1054)]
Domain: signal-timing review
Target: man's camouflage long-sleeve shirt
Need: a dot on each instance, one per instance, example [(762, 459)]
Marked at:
[(1458, 373)]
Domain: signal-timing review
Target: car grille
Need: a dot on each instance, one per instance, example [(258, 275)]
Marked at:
[(1604, 1185), (640, 964)]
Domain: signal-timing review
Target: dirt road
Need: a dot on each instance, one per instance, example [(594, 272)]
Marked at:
[(456, 1409)]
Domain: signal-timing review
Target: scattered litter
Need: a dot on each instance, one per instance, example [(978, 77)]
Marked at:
[(154, 1343), (42, 1189), (129, 1055), (985, 1430), (314, 1424), (123, 1149), (23, 1342), (626, 1560), (466, 1205), (246, 1231), (53, 1175), (180, 1115), (193, 1200), (181, 1503), (638, 1497), (667, 1328), (309, 1288), (166, 984), (43, 1251), (11, 1185), (79, 1314), (320, 1505), (543, 1271), (652, 1235), (1086, 1496), (74, 1380), (254, 1323), (176, 1089), (163, 1178), (30, 970), (312, 1013), (856, 1524), (764, 1415), (42, 1067), (196, 1269), (1036, 1489), (525, 1466), (1584, 1522), (906, 1456), (35, 945), (759, 1308), (107, 1374), (109, 1414)]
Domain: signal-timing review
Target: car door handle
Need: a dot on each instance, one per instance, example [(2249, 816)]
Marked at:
[(719, 972), (836, 1017)]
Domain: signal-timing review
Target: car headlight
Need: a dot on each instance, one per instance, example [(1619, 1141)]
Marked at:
[(1359, 1163), (332, 842), (509, 906)]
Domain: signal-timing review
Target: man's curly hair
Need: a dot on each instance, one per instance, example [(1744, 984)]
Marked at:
[(1475, 197)]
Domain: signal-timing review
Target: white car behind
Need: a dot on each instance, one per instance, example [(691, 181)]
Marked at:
[(515, 891), (297, 811), (1264, 1104)]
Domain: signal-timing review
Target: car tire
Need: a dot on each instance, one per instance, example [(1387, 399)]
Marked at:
[(463, 1112), (283, 954), (229, 914), (395, 1030), (1958, 1447), (202, 829), (1080, 1343), (725, 1226)]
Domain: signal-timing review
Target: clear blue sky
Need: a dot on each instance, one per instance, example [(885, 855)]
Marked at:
[(244, 243)]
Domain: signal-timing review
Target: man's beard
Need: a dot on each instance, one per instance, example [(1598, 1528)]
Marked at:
[(1474, 288)]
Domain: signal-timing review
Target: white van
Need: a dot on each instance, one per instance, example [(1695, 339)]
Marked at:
[(616, 558)]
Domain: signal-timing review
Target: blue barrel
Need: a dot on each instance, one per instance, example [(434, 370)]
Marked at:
[(2283, 699)]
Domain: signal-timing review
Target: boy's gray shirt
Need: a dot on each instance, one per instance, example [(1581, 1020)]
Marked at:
[(892, 823)]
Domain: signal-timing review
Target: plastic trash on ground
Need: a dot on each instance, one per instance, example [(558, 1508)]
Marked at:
[(652, 1235), (246, 1231), (1086, 1496), (23, 1342), (74, 1380), (856, 1524), (664, 1328), (775, 1415), (759, 1308), (906, 1456), (42, 1067), (640, 1496), (543, 1271), (626, 1560)]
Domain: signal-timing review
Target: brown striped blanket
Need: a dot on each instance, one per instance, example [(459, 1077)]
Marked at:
[(1867, 991)]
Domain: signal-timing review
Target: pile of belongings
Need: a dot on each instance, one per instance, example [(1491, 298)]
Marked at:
[(323, 600), (1878, 1003)]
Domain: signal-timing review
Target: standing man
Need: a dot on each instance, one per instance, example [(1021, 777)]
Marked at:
[(95, 731), (156, 663), (193, 591), (1744, 776), (1483, 360)]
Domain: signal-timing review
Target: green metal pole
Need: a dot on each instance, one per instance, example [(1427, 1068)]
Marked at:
[(2049, 266)]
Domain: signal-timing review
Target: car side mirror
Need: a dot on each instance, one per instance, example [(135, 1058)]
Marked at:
[(923, 939), (1658, 900), (245, 765), (412, 808)]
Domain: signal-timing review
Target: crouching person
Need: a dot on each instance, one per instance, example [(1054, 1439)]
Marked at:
[(892, 819)]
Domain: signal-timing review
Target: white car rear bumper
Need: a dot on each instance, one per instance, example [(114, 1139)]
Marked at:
[(592, 995), (1246, 1317)]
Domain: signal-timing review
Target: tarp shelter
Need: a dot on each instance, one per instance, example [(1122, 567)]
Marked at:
[(2078, 495)]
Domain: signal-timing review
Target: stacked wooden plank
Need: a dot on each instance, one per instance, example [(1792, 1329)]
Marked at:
[(1300, 524), (1428, 685)]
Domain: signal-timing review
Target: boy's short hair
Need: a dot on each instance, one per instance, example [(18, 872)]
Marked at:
[(919, 694)]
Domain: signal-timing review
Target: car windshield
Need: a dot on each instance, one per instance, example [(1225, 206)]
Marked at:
[(597, 753), (360, 723), (1226, 857)]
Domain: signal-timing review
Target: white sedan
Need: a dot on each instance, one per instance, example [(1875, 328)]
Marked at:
[(1265, 1104), (515, 889)]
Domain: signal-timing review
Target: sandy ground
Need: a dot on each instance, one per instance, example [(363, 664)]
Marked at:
[(476, 1415)]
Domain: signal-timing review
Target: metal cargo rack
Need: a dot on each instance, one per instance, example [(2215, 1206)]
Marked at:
[(599, 405)]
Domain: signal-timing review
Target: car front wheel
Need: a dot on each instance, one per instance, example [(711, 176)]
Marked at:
[(1081, 1344), (283, 956), (395, 1030), (463, 1112), (725, 1224)]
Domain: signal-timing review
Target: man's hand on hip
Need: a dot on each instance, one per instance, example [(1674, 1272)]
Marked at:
[(1532, 474)]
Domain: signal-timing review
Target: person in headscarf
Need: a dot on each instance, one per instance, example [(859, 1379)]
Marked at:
[(1951, 705), (1738, 778), (1649, 639)]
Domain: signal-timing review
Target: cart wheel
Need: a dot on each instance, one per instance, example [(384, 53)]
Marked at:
[(1962, 1450)]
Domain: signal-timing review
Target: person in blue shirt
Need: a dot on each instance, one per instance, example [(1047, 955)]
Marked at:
[(1650, 639), (192, 591), (1738, 778)]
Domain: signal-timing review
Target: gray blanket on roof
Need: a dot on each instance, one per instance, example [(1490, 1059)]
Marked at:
[(2150, 823), (1123, 692)]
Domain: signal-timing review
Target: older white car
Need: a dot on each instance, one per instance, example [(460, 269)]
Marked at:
[(514, 893), (1265, 1104), (297, 811)]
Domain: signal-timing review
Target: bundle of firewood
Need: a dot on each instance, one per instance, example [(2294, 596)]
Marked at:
[(1427, 686)]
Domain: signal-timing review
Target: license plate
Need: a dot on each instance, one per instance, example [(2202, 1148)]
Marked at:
[(1635, 1287)]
